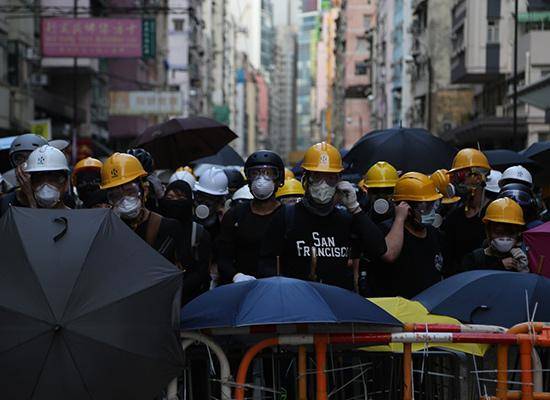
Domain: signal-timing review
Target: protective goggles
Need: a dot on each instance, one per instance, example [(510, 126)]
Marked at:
[(460, 176), (267, 171), (520, 197), (424, 207), (116, 194), (207, 199), (330, 179), (52, 177)]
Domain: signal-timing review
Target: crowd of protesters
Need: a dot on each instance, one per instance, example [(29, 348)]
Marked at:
[(393, 233)]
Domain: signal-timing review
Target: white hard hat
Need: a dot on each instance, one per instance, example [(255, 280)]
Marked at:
[(214, 182), (492, 181), (243, 194), (516, 174), (47, 158), (183, 176)]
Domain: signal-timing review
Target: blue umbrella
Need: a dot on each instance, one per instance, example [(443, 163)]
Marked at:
[(489, 297), (280, 301)]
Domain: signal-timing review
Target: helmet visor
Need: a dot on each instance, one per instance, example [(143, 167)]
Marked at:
[(520, 197)]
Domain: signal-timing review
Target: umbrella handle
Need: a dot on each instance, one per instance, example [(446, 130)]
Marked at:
[(65, 222)]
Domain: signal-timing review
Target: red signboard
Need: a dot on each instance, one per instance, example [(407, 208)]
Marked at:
[(91, 37)]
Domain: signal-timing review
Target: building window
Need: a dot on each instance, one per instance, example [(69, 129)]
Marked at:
[(361, 45), (178, 25), (366, 22), (361, 68), (492, 31)]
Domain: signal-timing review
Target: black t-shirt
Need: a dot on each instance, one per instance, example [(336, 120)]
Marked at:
[(478, 259), (297, 234), (462, 236), (170, 240), (417, 268), (240, 241)]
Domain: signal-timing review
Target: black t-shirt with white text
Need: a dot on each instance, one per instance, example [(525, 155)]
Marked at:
[(298, 236)]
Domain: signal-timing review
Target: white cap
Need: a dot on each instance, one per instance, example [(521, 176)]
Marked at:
[(214, 182), (243, 194), (47, 158), (516, 174), (492, 181), (183, 176)]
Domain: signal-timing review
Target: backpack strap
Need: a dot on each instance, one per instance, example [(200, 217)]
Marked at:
[(153, 225)]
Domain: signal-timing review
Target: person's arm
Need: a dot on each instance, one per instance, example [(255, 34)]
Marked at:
[(226, 247), (270, 260), (395, 237), (372, 241)]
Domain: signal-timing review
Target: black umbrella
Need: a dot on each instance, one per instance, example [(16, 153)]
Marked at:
[(539, 152), (227, 156), (407, 149), (87, 309), (179, 141), (501, 159)]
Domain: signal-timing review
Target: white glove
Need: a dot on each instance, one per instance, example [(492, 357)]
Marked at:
[(348, 196), (242, 278)]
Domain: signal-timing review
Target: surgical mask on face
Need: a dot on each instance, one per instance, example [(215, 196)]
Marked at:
[(503, 244), (321, 192), (429, 218), (47, 195), (262, 188), (128, 207)]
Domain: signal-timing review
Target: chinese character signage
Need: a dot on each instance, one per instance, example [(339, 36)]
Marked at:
[(91, 37), (149, 38), (145, 103)]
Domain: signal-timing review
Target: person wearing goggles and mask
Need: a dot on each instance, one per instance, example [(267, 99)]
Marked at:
[(291, 192), (123, 178), (86, 178), (524, 196), (16, 182), (415, 261), (244, 225), (450, 200), (463, 228), (49, 178), (378, 184), (504, 224), (311, 240)]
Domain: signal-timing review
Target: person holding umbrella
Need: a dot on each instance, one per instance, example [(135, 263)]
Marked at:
[(311, 240), (463, 228), (417, 264), (124, 179), (244, 225), (504, 223)]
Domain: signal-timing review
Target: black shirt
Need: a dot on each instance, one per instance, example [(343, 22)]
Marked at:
[(240, 241), (478, 259), (462, 236), (417, 268), (297, 234)]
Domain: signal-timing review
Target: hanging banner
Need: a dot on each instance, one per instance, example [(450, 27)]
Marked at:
[(91, 37), (145, 103)]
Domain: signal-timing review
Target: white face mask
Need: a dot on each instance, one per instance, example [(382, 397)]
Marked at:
[(47, 196), (262, 188), (503, 244), (321, 192), (128, 207)]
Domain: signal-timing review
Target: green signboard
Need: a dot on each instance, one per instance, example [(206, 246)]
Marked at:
[(149, 37)]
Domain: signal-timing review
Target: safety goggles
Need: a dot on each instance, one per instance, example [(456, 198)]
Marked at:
[(460, 176), (207, 199), (330, 179), (51, 177), (424, 207), (116, 194), (520, 197), (267, 171)]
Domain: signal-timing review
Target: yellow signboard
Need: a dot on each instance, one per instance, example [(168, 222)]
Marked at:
[(42, 127)]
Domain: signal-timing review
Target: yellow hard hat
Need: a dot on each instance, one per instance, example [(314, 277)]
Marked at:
[(470, 158), (442, 183), (289, 174), (323, 157), (291, 187), (87, 163), (381, 175), (186, 169), (414, 186), (120, 169), (504, 210)]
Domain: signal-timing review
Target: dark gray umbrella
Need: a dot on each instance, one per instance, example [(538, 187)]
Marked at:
[(87, 309), (500, 159), (179, 141), (227, 156), (539, 151)]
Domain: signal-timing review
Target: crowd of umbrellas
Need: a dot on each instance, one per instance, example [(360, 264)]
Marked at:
[(90, 311)]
